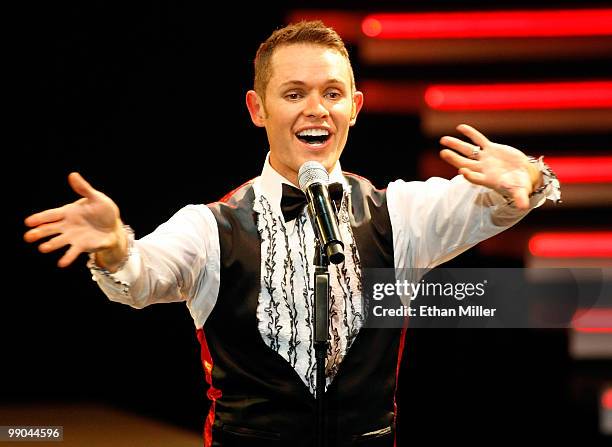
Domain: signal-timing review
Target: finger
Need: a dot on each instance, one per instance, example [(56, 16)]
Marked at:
[(42, 231), (53, 244), (71, 254), (46, 216), (80, 185), (458, 145), (458, 161), (473, 135), (474, 177)]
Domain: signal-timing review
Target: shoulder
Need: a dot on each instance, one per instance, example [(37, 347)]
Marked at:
[(234, 211), (237, 197), (237, 193), (362, 187), (356, 178)]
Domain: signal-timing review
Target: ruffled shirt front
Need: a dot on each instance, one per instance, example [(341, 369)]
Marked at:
[(432, 222)]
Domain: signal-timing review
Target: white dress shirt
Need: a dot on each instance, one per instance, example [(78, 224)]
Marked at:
[(432, 222)]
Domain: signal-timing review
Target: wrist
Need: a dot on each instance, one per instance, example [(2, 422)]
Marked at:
[(535, 174), (114, 258)]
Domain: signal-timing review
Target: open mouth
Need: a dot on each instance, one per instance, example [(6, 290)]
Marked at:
[(313, 137)]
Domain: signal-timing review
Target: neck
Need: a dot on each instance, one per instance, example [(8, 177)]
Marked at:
[(288, 174)]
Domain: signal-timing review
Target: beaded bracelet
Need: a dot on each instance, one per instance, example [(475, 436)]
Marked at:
[(549, 177), (91, 264)]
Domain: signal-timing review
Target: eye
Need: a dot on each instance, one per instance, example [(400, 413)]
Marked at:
[(293, 96), (333, 95)]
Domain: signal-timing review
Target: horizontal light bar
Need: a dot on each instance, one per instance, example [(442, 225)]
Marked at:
[(593, 321), (521, 96), (484, 50), (347, 24), (570, 170), (606, 399), (594, 330), (582, 169), (487, 24), (392, 97), (519, 122), (595, 244)]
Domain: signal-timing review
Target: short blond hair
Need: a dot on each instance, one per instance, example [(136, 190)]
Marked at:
[(309, 32)]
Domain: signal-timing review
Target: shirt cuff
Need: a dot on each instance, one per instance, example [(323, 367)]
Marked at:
[(121, 279), (549, 190)]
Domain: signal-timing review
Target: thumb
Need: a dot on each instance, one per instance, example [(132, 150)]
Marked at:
[(80, 185)]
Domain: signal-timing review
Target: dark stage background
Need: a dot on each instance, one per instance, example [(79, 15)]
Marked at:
[(147, 102)]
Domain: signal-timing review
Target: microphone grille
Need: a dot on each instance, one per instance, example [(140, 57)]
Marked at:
[(312, 172)]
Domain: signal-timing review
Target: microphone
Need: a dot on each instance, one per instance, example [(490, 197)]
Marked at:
[(313, 180)]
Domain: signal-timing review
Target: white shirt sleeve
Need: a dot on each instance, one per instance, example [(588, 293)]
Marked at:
[(435, 220), (179, 261)]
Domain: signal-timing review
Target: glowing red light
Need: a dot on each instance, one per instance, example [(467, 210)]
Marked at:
[(606, 399), (486, 24), (371, 27), (582, 169), (594, 321), (596, 244), (594, 330), (555, 95)]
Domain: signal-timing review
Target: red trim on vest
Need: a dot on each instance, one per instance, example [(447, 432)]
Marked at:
[(400, 352), (213, 393), (229, 195)]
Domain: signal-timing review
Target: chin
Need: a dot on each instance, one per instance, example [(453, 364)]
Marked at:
[(327, 159)]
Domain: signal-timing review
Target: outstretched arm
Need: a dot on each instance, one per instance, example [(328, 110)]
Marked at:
[(90, 224), (502, 168), (435, 220)]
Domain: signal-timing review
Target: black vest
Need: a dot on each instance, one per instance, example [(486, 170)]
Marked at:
[(257, 397)]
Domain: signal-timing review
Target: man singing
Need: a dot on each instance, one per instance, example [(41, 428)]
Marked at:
[(243, 265)]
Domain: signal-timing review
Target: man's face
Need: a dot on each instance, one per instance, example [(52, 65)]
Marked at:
[(308, 108)]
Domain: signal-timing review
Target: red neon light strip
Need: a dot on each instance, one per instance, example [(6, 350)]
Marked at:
[(582, 169), (460, 25), (347, 24), (594, 330), (555, 95), (596, 244), (606, 399), (593, 321)]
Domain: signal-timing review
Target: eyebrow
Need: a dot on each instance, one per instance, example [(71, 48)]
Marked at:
[(302, 83)]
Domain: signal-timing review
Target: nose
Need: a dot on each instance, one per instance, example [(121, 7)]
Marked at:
[(315, 107)]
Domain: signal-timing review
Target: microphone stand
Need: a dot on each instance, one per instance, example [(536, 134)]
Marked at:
[(328, 248), (321, 322)]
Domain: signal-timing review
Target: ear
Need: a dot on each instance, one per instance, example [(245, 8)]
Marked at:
[(357, 105), (256, 108)]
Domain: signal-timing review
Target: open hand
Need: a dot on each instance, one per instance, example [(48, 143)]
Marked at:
[(502, 168), (90, 224)]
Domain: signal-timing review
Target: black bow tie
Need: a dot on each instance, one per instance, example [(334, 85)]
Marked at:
[(294, 199)]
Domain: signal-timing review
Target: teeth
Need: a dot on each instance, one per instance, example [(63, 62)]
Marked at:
[(313, 133)]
